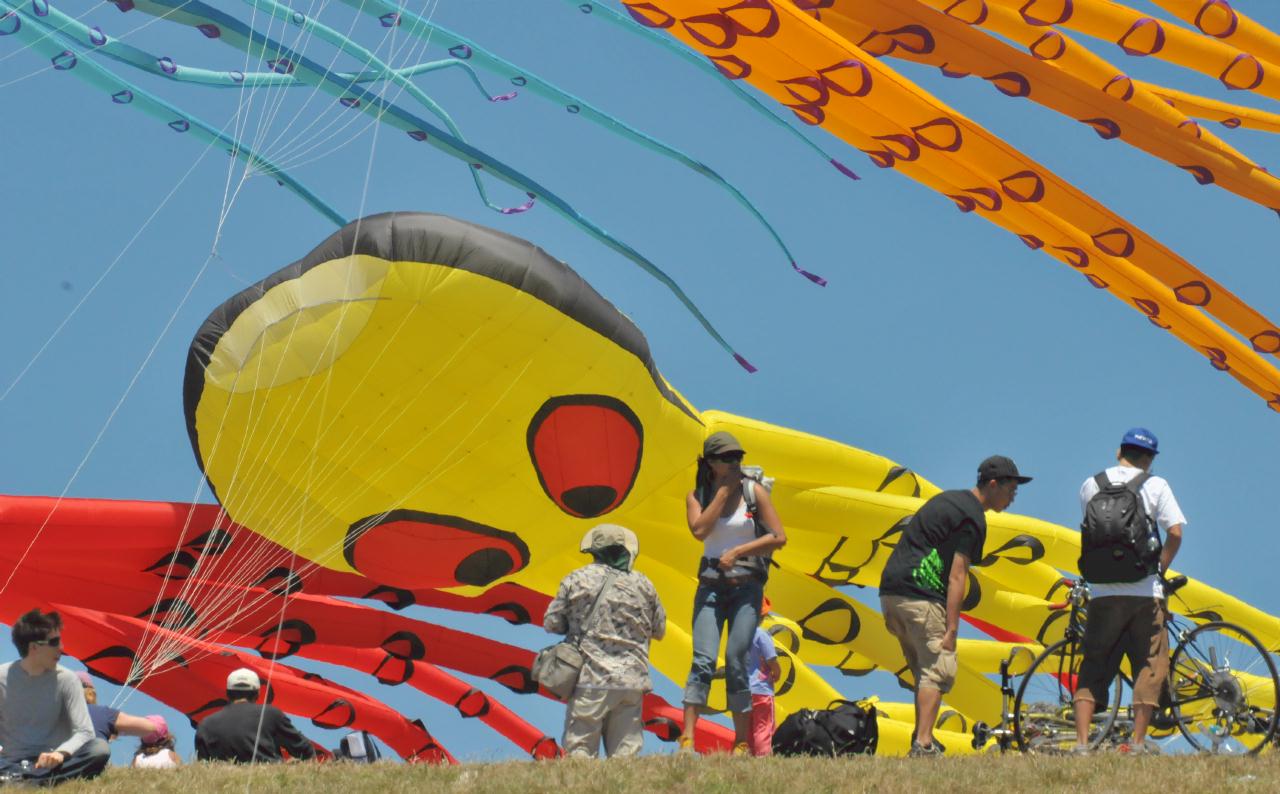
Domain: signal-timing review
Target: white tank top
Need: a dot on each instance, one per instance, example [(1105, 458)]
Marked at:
[(160, 760), (730, 532)]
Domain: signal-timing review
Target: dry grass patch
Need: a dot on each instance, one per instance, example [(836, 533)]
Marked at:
[(724, 775)]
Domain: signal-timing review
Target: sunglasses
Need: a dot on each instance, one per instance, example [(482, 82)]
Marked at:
[(728, 457), (48, 642)]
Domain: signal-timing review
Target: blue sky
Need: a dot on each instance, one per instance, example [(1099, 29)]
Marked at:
[(940, 339)]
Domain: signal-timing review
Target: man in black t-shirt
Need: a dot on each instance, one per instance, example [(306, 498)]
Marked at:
[(245, 731), (922, 587)]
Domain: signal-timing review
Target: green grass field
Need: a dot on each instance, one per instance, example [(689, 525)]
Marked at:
[(723, 774)]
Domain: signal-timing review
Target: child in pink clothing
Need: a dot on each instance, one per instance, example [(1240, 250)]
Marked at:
[(762, 661)]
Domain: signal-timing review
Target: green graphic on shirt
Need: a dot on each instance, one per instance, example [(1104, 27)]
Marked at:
[(928, 574)]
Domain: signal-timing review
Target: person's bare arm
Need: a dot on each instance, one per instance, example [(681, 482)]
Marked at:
[(955, 598), (1172, 541), (703, 519), (129, 725)]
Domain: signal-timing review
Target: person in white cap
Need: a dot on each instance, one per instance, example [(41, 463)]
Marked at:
[(245, 731), (614, 636)]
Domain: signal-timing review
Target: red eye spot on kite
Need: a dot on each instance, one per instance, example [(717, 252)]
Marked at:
[(586, 451), (413, 549)]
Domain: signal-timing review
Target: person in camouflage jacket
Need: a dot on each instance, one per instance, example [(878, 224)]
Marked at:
[(606, 704)]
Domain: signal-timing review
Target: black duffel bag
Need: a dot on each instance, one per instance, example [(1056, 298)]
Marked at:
[(843, 728)]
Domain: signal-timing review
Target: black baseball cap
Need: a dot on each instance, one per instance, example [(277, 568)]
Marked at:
[(998, 467)]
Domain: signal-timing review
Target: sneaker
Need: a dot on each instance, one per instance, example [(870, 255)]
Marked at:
[(742, 748), (1081, 750), (925, 751), (1146, 748), (684, 746)]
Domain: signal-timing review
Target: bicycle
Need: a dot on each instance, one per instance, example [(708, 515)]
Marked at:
[(1222, 693)]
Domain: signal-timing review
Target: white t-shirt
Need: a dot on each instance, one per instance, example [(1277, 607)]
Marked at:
[(1157, 498), (729, 532)]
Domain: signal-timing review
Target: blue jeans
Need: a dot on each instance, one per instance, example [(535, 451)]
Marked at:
[(87, 762), (713, 606)]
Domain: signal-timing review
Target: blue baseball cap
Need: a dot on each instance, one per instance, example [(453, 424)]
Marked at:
[(1142, 438)]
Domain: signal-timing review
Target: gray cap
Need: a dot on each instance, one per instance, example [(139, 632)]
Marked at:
[(244, 680), (719, 443), (602, 536)]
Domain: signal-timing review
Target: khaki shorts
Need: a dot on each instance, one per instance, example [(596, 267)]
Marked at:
[(919, 625)]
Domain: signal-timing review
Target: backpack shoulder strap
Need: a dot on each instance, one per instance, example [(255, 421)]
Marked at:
[(609, 578), (749, 493), (1102, 480), (1136, 483)]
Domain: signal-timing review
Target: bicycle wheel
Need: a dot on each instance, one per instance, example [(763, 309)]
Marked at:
[(1043, 711), (1224, 690)]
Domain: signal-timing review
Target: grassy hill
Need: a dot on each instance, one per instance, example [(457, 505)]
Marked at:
[(723, 775)]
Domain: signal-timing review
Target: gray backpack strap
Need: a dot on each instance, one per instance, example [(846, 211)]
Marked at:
[(749, 494), (609, 579)]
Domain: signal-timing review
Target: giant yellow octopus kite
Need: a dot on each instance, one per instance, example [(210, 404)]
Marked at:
[(433, 404)]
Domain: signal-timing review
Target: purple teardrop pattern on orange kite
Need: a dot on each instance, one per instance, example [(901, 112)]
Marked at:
[(942, 134), (992, 203), (1031, 241), (1076, 257), (1232, 123), (1011, 84), (813, 7), (1049, 47), (954, 74), (887, 158), (1144, 37), (848, 78), (1266, 341), (971, 12), (1217, 359), (649, 15), (1245, 73), (1025, 186), (1119, 87), (1194, 293), (731, 66), (1192, 126), (1095, 281), (1217, 18), (1055, 12), (1116, 242), (915, 39), (1106, 128), (1203, 175), (1152, 310)]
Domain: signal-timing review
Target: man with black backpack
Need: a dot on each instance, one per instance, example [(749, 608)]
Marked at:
[(1122, 558)]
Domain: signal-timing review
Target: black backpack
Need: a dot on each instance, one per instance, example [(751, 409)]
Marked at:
[(844, 728), (1118, 540)]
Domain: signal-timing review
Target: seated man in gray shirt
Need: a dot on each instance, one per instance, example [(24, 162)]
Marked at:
[(45, 730)]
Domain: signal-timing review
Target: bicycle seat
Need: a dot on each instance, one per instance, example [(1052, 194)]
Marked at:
[(1171, 586)]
